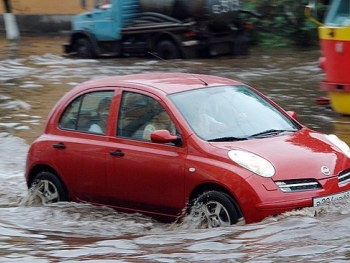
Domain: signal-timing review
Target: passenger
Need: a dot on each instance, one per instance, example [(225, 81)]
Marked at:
[(160, 121), (203, 124), (99, 126), (206, 125)]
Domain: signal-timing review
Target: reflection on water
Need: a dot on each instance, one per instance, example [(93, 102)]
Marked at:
[(34, 75)]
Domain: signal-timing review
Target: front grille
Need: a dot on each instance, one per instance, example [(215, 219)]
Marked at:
[(344, 177), (290, 186)]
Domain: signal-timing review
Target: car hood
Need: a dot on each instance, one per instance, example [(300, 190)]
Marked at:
[(302, 154)]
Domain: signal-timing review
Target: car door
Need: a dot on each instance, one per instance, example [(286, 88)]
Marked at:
[(83, 153), (143, 175), (106, 21)]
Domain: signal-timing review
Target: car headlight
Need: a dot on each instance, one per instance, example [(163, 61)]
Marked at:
[(334, 139), (252, 162)]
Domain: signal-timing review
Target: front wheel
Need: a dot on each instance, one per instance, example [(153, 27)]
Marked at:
[(214, 209), (48, 188), (83, 48)]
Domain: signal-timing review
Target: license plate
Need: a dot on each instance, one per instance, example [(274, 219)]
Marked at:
[(327, 199)]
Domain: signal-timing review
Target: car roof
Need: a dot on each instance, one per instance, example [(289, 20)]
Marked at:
[(164, 82)]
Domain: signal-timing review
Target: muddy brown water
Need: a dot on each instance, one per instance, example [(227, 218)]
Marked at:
[(34, 75)]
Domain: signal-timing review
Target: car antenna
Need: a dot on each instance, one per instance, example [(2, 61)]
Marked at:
[(162, 59)]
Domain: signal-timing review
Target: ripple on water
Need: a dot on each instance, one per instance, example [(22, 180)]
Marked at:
[(71, 232)]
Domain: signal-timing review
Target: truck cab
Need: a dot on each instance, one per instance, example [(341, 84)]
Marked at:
[(102, 21), (102, 24), (106, 19)]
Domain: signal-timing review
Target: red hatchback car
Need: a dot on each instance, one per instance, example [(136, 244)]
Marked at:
[(158, 143)]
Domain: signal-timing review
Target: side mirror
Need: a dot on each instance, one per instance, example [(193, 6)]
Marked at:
[(164, 136), (292, 114)]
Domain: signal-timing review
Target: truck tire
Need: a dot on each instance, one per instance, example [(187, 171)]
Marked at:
[(83, 48), (167, 49), (240, 46)]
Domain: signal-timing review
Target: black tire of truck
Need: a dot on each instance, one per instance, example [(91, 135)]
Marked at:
[(167, 49), (83, 48)]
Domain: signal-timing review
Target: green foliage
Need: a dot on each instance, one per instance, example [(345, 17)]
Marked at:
[(281, 23)]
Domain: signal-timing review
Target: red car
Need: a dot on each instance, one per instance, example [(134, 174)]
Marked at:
[(162, 142)]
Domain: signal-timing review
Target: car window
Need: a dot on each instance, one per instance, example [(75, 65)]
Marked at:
[(339, 14), (140, 115), (88, 113), (103, 4)]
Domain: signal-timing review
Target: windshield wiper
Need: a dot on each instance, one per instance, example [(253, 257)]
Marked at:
[(227, 139), (268, 133), (263, 134)]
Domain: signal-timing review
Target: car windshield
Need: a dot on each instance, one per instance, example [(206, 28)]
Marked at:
[(229, 113)]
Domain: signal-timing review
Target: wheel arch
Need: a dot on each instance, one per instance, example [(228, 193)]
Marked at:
[(206, 187), (43, 168), (84, 34)]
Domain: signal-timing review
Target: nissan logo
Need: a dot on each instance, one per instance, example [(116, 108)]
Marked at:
[(325, 170)]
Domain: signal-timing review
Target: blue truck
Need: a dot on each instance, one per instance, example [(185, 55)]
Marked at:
[(168, 29)]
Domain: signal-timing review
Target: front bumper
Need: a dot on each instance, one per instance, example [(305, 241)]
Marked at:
[(271, 201)]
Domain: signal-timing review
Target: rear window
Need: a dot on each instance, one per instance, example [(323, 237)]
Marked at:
[(87, 113)]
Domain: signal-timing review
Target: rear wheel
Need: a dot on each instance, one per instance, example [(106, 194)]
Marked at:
[(83, 48), (214, 209), (167, 49), (48, 188)]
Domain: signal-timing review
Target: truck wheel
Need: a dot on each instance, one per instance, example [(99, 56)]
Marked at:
[(240, 47), (166, 49), (83, 48)]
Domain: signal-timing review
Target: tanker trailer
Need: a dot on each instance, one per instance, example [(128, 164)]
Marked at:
[(168, 29), (215, 13)]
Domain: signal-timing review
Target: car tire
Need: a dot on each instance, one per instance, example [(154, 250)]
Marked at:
[(83, 48), (49, 188), (214, 209), (167, 49)]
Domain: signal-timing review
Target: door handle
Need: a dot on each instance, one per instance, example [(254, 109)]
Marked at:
[(117, 153), (59, 145)]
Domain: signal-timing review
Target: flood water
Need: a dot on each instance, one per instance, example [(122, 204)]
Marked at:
[(34, 75)]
